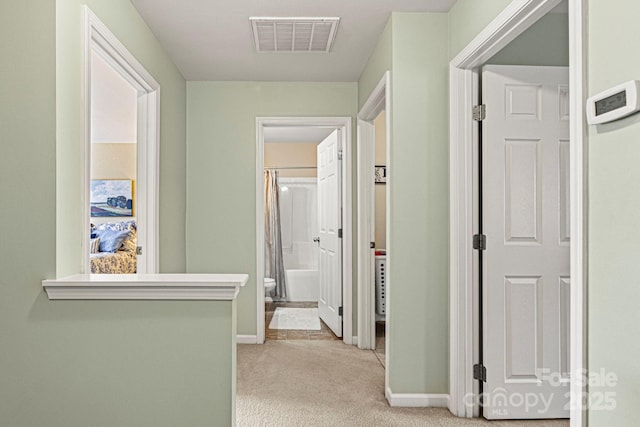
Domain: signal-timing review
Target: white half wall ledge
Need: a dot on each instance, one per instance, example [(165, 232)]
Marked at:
[(222, 287)]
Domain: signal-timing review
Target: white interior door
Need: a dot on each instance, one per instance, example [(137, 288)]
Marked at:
[(526, 223), (329, 218)]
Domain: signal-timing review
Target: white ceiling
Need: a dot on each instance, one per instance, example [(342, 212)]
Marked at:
[(297, 134), (212, 40)]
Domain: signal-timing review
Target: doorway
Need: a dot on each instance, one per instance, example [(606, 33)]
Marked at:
[(373, 197), (136, 195), (337, 302), (113, 171), (299, 303), (464, 80), (380, 208), (524, 279)]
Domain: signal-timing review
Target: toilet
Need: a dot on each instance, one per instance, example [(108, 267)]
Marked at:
[(269, 286)]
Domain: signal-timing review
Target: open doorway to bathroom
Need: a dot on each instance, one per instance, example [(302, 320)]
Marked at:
[(292, 234), (291, 295), (303, 222)]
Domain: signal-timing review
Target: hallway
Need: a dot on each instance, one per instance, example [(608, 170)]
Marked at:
[(327, 383)]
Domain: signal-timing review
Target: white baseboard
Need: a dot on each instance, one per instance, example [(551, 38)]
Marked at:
[(416, 400), (247, 339)]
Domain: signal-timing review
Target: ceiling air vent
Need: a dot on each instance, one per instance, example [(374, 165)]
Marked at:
[(294, 34)]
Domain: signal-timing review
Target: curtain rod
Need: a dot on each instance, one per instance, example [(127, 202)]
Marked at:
[(292, 167)]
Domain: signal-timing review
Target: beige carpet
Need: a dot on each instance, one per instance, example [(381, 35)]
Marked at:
[(327, 383)]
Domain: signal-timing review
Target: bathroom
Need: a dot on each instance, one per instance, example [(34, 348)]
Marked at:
[(290, 159), (299, 226)]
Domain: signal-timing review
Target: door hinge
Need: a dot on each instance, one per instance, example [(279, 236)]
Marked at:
[(372, 245), (339, 233), (480, 372), (138, 250), (479, 112), (339, 154), (480, 242), (340, 311)]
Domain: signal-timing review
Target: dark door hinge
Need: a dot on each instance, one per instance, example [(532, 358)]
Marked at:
[(340, 311), (138, 250), (480, 372), (339, 233), (480, 242), (372, 245)]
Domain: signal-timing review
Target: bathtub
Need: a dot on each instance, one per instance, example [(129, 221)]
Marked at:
[(302, 285)]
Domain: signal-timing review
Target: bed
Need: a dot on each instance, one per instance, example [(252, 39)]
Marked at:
[(113, 248)]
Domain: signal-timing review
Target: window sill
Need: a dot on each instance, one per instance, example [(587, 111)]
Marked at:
[(223, 287)]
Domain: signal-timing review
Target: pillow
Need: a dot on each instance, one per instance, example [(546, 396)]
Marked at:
[(111, 240), (129, 244), (95, 245)]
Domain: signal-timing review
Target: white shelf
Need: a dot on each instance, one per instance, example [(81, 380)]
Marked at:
[(146, 287)]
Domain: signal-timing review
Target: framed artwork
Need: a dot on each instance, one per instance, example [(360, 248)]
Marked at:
[(111, 197), (381, 174)]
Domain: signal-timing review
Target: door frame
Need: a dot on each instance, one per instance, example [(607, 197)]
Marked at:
[(344, 125), (98, 38), (379, 100), (464, 93)]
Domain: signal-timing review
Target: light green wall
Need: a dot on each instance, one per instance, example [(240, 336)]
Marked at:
[(221, 159), (614, 209), (417, 271), (379, 62), (414, 47), (123, 20), (27, 223), (545, 43), (90, 363), (467, 18)]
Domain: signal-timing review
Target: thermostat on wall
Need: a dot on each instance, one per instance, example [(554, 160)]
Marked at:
[(615, 103)]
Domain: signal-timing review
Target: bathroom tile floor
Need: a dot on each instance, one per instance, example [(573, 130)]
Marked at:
[(295, 334)]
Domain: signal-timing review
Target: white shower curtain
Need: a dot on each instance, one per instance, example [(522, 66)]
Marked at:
[(274, 264)]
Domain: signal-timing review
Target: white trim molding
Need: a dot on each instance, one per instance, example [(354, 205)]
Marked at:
[(416, 400), (100, 40), (579, 179), (247, 339), (344, 125), (146, 287), (511, 22), (377, 101)]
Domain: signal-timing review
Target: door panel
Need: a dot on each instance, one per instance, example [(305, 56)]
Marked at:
[(522, 191), (330, 245), (523, 327), (526, 284)]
